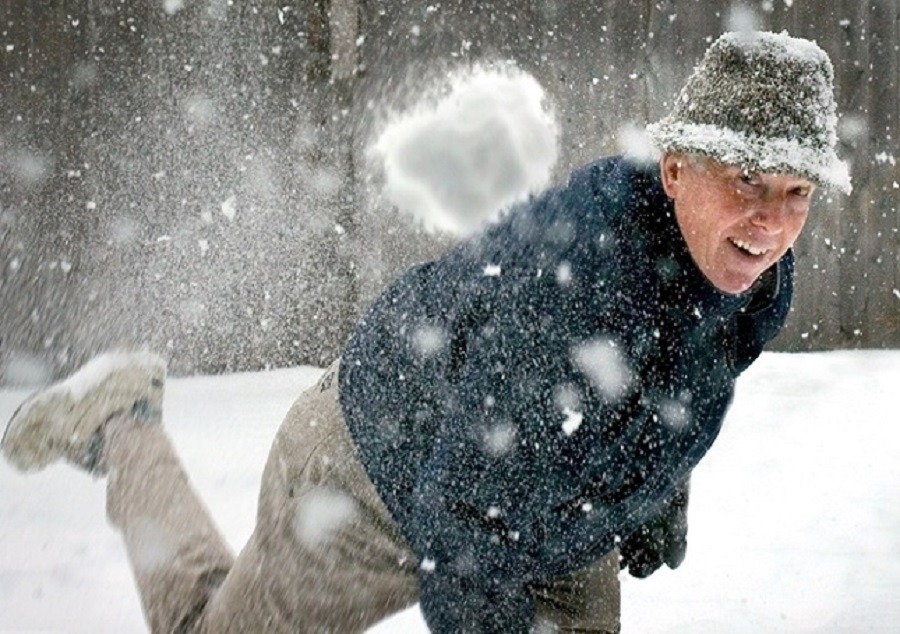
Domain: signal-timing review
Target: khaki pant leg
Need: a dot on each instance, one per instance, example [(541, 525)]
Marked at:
[(588, 600), (325, 555), (176, 553)]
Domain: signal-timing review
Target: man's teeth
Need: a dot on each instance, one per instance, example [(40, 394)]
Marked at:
[(749, 248)]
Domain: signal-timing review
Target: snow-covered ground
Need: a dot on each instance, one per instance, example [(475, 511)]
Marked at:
[(795, 521)]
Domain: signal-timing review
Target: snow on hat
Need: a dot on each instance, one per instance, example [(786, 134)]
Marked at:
[(763, 101)]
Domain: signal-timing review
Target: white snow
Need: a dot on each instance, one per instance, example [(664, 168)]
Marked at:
[(572, 422), (171, 7), (320, 513), (157, 546), (229, 208), (428, 565), (745, 147), (564, 274), (455, 163), (91, 374), (199, 109), (731, 147), (429, 340), (26, 369), (499, 438), (633, 141), (674, 414), (29, 168), (742, 19), (794, 521), (605, 365)]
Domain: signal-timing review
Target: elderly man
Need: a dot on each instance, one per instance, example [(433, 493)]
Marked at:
[(510, 424)]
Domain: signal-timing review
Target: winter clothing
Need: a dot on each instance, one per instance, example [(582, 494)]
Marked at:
[(176, 553), (325, 555), (540, 391), (507, 414), (763, 101), (662, 540), (65, 421)]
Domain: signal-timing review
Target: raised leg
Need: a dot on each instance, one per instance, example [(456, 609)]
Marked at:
[(177, 555), (105, 419), (325, 556)]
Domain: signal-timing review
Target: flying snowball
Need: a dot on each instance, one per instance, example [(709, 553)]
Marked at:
[(456, 163)]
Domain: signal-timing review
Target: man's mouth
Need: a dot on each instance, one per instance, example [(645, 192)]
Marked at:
[(748, 248)]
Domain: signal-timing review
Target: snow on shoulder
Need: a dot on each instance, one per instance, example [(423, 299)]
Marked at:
[(456, 162)]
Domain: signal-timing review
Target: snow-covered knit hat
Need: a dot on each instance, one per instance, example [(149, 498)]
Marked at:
[(763, 101)]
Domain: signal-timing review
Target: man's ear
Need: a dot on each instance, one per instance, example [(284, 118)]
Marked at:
[(671, 168)]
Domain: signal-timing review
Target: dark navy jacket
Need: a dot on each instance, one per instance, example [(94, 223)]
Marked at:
[(535, 394)]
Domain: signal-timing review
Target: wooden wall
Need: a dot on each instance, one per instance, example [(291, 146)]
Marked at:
[(110, 179)]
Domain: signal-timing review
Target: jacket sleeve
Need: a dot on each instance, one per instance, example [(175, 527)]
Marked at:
[(474, 509), (662, 539), (479, 501), (473, 572)]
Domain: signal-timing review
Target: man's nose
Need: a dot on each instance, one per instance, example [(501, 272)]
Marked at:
[(770, 215)]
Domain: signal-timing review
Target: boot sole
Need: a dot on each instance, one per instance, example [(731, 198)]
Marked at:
[(60, 421)]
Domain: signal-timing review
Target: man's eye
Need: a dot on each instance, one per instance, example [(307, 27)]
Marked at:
[(803, 192), (750, 178)]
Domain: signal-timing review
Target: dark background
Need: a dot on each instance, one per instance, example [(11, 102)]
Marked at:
[(191, 175)]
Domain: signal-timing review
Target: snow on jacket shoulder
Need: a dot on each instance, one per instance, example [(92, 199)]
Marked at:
[(533, 394)]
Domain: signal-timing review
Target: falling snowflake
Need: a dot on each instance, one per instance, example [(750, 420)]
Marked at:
[(605, 365), (573, 421)]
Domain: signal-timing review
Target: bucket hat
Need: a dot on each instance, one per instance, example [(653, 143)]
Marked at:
[(764, 101)]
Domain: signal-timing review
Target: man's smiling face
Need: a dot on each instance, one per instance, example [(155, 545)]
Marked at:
[(736, 223)]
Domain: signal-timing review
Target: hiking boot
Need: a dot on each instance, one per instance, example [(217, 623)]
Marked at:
[(66, 420)]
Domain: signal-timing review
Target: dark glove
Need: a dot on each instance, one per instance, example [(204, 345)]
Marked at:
[(661, 540), (454, 605)]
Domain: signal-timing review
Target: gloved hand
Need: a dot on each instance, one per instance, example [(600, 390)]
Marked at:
[(661, 540)]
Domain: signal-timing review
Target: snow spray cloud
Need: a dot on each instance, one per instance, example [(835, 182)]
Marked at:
[(457, 162)]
